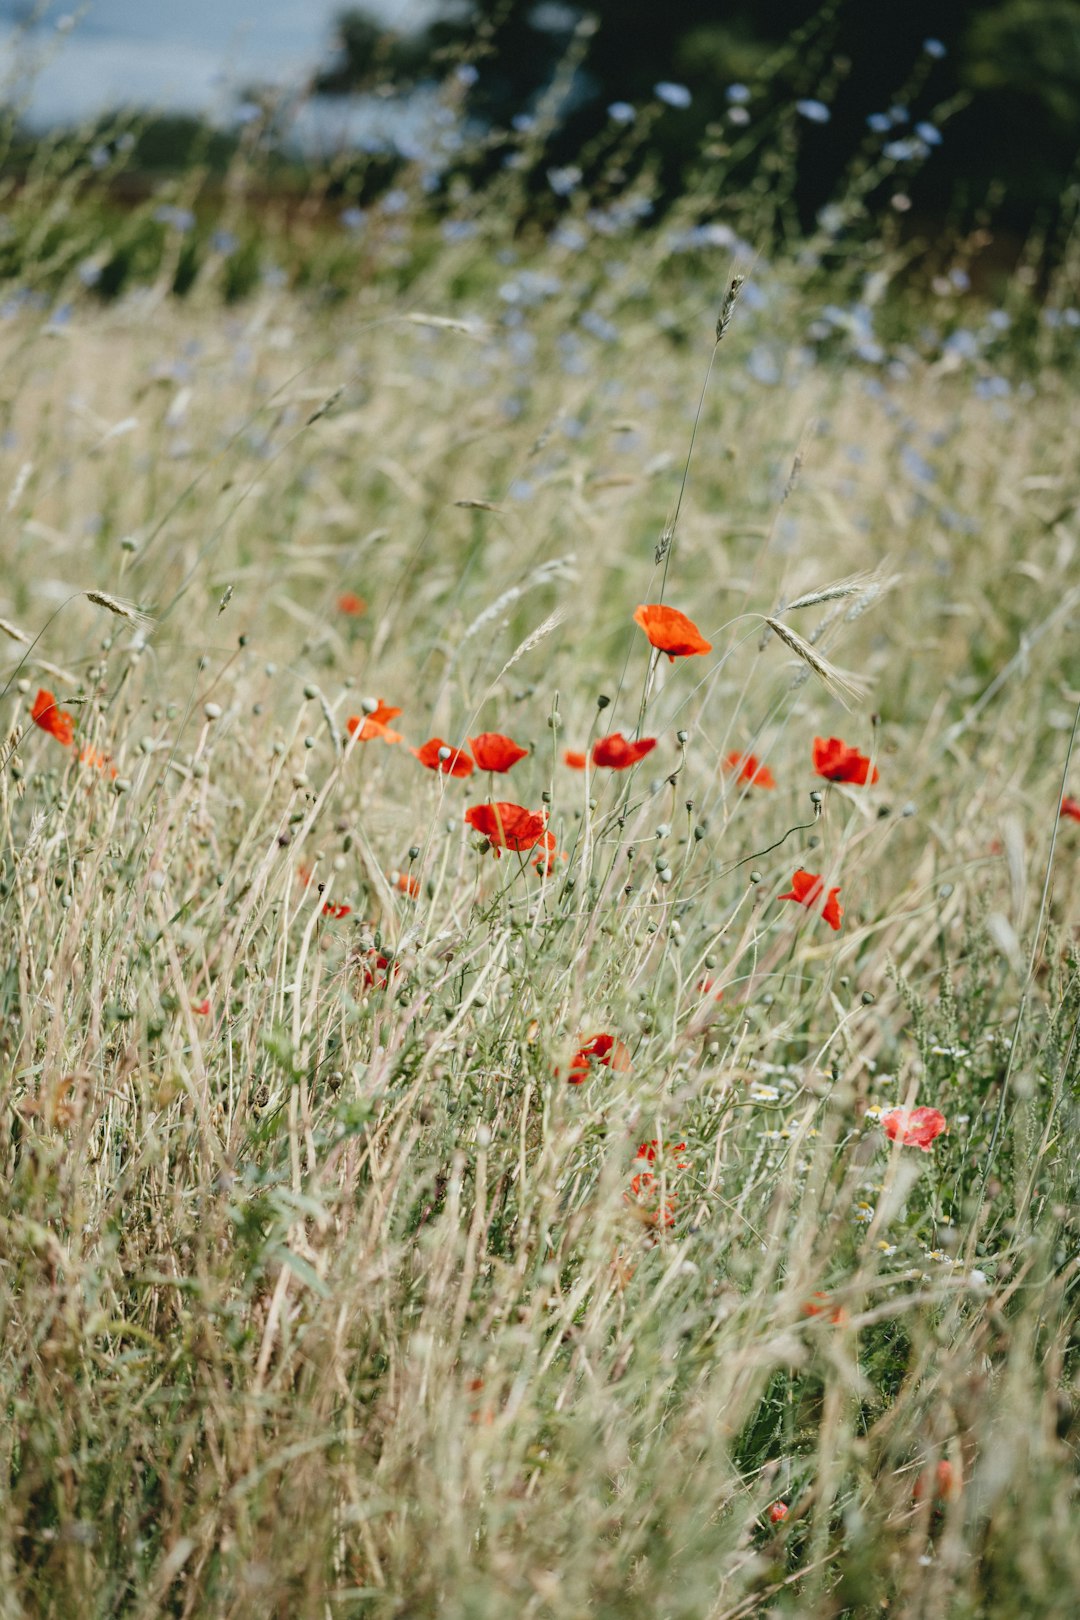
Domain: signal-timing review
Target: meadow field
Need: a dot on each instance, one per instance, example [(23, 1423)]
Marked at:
[(527, 1215)]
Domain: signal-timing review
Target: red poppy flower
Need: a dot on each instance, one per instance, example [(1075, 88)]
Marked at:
[(494, 752), (575, 760), (821, 1305), (202, 1007), (670, 631), (374, 724), (618, 754), (509, 826), (644, 1193), (330, 910), (605, 1050), (707, 987), (778, 1513), (837, 762), (1071, 808), (649, 1152), (645, 1184), (456, 762), (406, 883), (351, 604), (97, 760), (806, 888), (751, 770), (946, 1483), (913, 1127), (56, 721), (374, 972)]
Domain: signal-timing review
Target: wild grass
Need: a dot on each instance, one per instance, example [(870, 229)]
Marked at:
[(322, 1291)]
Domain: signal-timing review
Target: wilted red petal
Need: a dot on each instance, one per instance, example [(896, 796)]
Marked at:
[(457, 762), (807, 889), (751, 770), (494, 752), (837, 762), (202, 1007), (670, 631), (509, 826), (45, 713), (617, 754), (1071, 808), (913, 1127)]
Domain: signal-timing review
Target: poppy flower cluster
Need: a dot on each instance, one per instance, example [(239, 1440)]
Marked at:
[(807, 889), (644, 1191), (913, 1127)]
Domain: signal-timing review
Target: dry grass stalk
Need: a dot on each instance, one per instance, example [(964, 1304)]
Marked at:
[(842, 683)]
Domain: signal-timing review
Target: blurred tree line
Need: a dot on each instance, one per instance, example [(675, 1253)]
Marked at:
[(999, 80)]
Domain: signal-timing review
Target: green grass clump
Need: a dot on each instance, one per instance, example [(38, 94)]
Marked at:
[(323, 1290)]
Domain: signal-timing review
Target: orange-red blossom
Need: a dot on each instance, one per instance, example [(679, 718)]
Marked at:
[(617, 754), (455, 762), (375, 724), (751, 770), (46, 713), (807, 889), (510, 826), (606, 1050), (837, 762), (913, 1127), (492, 751), (670, 631)]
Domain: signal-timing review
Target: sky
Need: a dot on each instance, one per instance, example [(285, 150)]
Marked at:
[(165, 55)]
